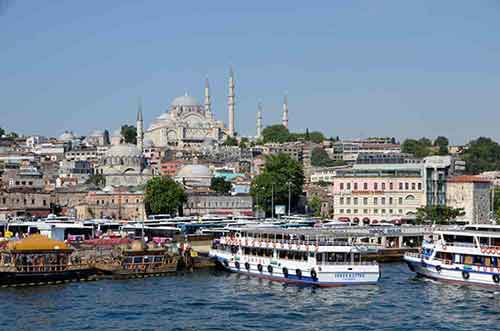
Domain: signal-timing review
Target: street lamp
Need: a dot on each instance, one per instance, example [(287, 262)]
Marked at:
[(272, 201)]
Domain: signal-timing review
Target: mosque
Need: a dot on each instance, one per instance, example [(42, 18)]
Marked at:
[(188, 124)]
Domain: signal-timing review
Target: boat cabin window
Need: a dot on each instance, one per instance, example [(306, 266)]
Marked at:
[(459, 239), (138, 259), (158, 258)]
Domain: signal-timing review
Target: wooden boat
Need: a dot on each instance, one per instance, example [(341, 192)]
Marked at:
[(38, 260), (138, 260)]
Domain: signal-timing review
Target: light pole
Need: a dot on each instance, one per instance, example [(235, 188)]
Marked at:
[(272, 201), (289, 197)]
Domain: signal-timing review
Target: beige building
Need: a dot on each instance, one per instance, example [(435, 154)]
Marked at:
[(115, 204), (473, 194)]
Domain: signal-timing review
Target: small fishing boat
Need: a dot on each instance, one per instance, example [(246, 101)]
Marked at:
[(38, 260), (138, 260)]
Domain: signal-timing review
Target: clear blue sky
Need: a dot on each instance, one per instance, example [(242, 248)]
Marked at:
[(351, 68)]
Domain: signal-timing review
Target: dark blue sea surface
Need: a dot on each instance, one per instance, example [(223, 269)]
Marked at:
[(215, 300)]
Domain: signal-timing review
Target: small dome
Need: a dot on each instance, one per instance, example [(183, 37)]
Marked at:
[(123, 150), (67, 136), (194, 170), (185, 100)]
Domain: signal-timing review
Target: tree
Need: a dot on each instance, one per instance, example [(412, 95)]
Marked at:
[(482, 154), (275, 134), (129, 134), (230, 141), (97, 180), (219, 185), (2, 132), (315, 205), (419, 148), (244, 142), (164, 196), (106, 137), (320, 158), (280, 174), (307, 136), (438, 214), (442, 143)]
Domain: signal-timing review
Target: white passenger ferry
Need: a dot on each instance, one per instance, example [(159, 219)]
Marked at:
[(302, 256), (468, 256)]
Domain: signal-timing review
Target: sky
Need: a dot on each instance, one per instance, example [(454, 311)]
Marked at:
[(350, 68)]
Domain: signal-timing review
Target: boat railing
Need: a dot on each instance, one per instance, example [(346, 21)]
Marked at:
[(264, 242), (457, 244), (349, 263), (41, 268)]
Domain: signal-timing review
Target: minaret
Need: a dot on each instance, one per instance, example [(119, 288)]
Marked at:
[(140, 128), (285, 112), (208, 102), (259, 121), (231, 102)]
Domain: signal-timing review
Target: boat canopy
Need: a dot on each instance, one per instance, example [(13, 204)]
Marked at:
[(37, 243)]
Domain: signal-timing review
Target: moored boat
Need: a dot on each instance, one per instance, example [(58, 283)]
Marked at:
[(138, 260), (302, 256), (466, 256), (38, 260)]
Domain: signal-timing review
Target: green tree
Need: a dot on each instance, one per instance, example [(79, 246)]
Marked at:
[(320, 158), (244, 142), (438, 214), (280, 174), (230, 141), (442, 143), (164, 196), (129, 133), (419, 148), (220, 185), (2, 132), (315, 205), (275, 134), (482, 154), (97, 180)]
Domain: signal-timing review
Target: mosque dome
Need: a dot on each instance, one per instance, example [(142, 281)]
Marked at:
[(194, 170), (123, 150), (185, 100), (67, 136)]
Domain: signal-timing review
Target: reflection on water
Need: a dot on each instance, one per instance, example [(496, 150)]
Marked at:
[(215, 300)]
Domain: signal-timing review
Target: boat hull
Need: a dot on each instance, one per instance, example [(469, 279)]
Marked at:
[(340, 276), (42, 278), (456, 274)]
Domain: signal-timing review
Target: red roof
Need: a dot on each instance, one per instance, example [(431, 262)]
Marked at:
[(468, 179)]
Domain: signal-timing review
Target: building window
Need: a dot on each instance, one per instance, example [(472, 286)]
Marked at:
[(407, 186), (390, 211), (365, 186), (419, 186), (4, 201), (375, 186), (341, 201), (44, 202), (355, 186), (32, 201), (365, 201), (365, 211), (401, 212), (391, 200), (375, 211), (355, 201), (30, 183), (355, 211), (382, 201), (375, 201), (413, 186), (341, 211), (348, 186), (383, 186), (341, 186), (348, 211), (400, 201), (348, 201), (391, 186), (383, 211), (400, 186)]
